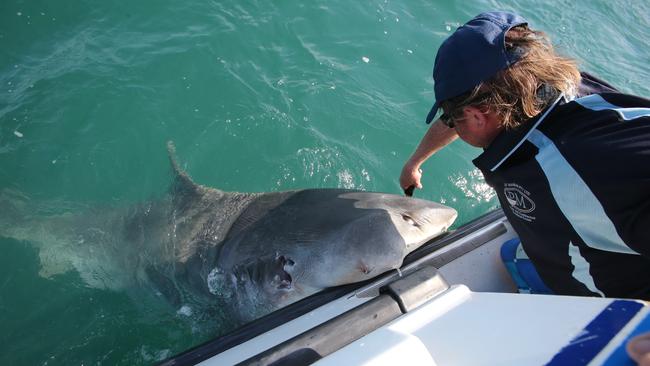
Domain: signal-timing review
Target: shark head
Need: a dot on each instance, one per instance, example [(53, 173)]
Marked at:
[(318, 238), (415, 220), (379, 232)]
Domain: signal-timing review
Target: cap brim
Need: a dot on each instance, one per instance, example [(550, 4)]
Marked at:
[(432, 112)]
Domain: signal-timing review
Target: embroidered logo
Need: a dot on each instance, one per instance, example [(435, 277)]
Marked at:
[(520, 202)]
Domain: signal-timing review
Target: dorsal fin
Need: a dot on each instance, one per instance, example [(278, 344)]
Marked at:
[(182, 183)]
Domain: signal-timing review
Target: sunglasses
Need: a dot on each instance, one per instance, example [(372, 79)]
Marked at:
[(447, 120)]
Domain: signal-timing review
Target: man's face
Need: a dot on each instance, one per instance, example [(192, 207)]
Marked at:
[(478, 128)]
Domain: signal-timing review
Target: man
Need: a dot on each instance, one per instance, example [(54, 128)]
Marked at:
[(568, 156)]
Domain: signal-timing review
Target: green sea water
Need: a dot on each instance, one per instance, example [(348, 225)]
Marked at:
[(258, 96)]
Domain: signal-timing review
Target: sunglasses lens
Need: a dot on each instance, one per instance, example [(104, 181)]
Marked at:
[(447, 121)]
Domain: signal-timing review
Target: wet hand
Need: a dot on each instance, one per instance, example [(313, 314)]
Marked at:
[(410, 179)]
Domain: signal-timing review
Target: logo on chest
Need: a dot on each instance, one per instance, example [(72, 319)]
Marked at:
[(519, 201)]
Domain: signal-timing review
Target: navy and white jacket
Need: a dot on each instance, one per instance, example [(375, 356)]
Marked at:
[(575, 184)]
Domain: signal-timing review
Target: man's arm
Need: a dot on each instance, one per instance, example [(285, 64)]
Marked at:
[(437, 137)]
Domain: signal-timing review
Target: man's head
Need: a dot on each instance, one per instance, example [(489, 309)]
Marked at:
[(495, 64), (472, 54)]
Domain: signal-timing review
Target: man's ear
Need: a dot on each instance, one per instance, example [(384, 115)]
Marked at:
[(475, 116)]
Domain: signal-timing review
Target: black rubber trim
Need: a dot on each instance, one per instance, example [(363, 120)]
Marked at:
[(456, 235), (417, 288), (251, 330), (397, 298), (328, 337), (262, 325)]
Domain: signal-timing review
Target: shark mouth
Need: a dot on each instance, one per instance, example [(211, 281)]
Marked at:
[(269, 272), (282, 279)]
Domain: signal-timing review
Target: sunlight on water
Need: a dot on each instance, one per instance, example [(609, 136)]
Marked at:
[(473, 187)]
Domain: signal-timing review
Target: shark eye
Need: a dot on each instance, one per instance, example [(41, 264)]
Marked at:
[(410, 221)]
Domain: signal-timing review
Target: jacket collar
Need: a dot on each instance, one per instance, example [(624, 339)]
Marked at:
[(508, 141)]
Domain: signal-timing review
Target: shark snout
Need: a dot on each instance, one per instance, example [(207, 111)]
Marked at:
[(439, 218), (447, 215), (433, 220)]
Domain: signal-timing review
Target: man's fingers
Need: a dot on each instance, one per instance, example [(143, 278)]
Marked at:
[(639, 349)]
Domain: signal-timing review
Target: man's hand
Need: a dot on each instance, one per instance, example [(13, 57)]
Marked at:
[(437, 137), (639, 349), (410, 178)]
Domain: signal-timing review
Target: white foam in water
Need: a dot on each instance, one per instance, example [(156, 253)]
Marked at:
[(18, 133), (345, 179), (150, 354), (217, 283), (185, 310), (365, 59)]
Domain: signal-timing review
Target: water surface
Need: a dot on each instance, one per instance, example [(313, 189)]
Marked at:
[(258, 96)]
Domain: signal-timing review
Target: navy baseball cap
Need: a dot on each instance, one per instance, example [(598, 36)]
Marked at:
[(472, 54)]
